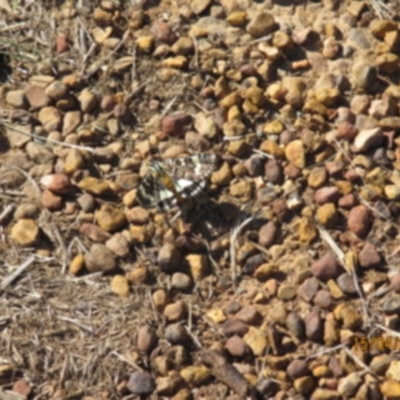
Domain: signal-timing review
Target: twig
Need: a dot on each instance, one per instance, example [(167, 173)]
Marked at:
[(76, 323), (41, 138), (6, 212), (232, 249), (27, 176), (325, 351), (11, 278), (124, 359)]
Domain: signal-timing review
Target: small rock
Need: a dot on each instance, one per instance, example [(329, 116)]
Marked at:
[(198, 265), (348, 201), (147, 339), (348, 385), (94, 186), (257, 340), (119, 245), (261, 25), (181, 281), (327, 215), (237, 18), (138, 276), (110, 218), (50, 118), (314, 326), (242, 190), (87, 100), (56, 90), (367, 139), (267, 234), (326, 268), (359, 220), (169, 257), (57, 183), (175, 311), (308, 289), (22, 387), (286, 292), (369, 256), (249, 315), (160, 299), (176, 334), (94, 233), (25, 232), (297, 368), (36, 97), (51, 201), (120, 285), (317, 177), (175, 125), (295, 153), (141, 383), (195, 375), (16, 98), (327, 195), (273, 171), (295, 324), (236, 347), (77, 265), (233, 327), (346, 283), (323, 299), (100, 259), (163, 32), (72, 119)]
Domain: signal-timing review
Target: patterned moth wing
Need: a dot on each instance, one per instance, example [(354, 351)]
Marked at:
[(169, 182)]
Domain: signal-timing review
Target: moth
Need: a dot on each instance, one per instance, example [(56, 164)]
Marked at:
[(170, 182)]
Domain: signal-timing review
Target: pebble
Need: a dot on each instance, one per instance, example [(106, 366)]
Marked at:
[(295, 324), (57, 183), (359, 220), (314, 326), (326, 268), (233, 327), (110, 218), (323, 299), (346, 283), (87, 100), (195, 375), (146, 339), (25, 232), (297, 368), (141, 383), (327, 195), (367, 139), (169, 257), (268, 234), (295, 153), (160, 299), (257, 340), (120, 285), (175, 311), (94, 232), (308, 289), (369, 256), (22, 387), (249, 315), (17, 99), (327, 215), (236, 347), (198, 265), (176, 334), (95, 186), (119, 245), (174, 125), (51, 201), (181, 281), (100, 259), (262, 24), (37, 97), (50, 118), (77, 265)]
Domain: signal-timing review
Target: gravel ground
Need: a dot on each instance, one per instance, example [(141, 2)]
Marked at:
[(280, 279)]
